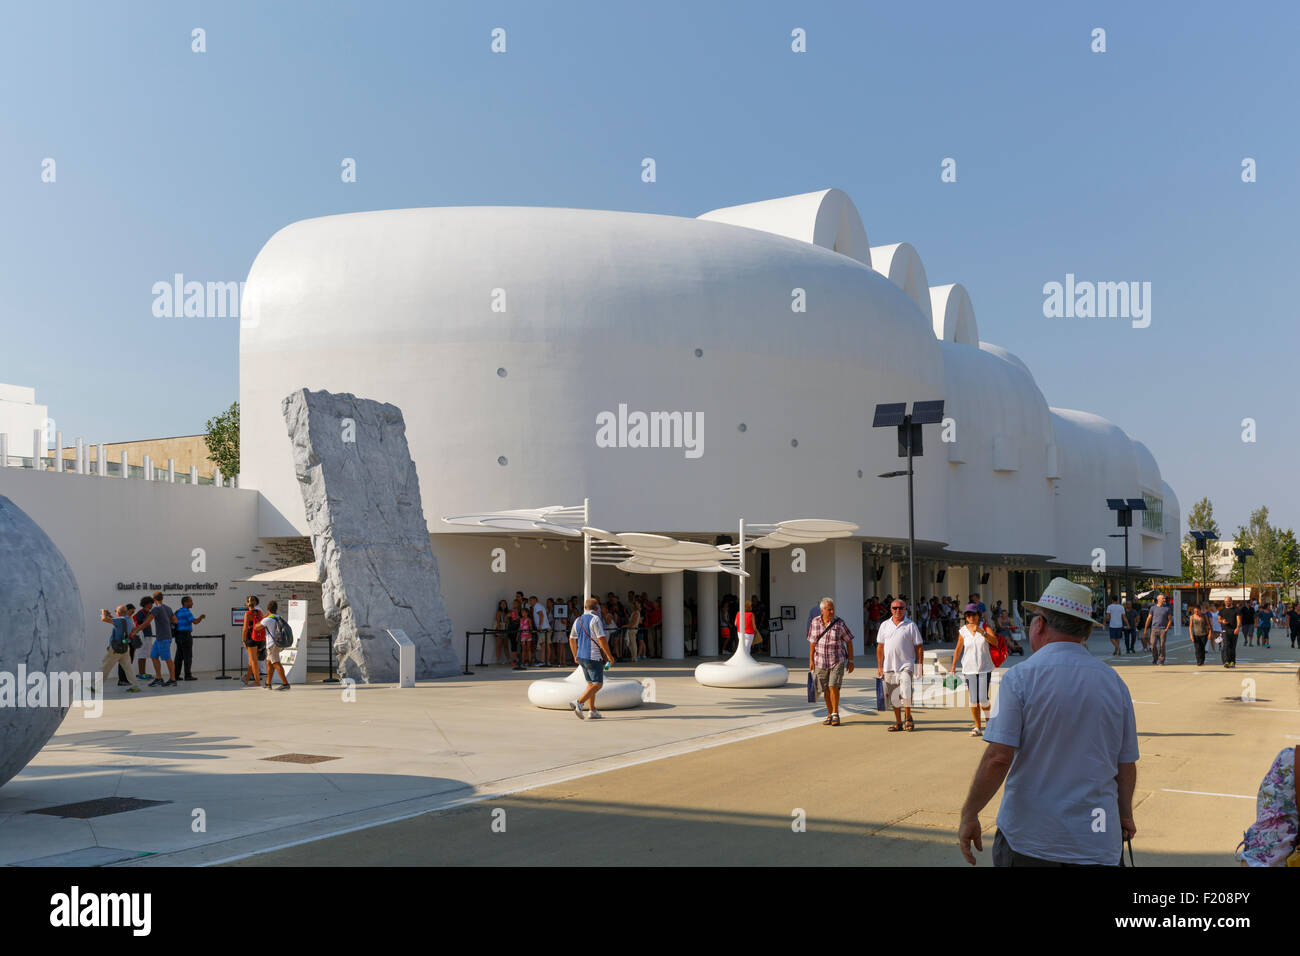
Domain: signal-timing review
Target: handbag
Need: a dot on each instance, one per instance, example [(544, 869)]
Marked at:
[(952, 682), (880, 695), (1294, 858), (812, 689)]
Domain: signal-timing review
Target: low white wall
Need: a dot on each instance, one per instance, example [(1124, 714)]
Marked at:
[(144, 534)]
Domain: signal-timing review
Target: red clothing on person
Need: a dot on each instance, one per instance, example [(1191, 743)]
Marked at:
[(254, 629), (749, 622)]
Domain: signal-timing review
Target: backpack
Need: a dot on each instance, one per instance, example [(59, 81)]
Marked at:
[(283, 634), (118, 642)]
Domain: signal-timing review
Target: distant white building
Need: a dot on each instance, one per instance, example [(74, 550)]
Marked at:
[(20, 418)]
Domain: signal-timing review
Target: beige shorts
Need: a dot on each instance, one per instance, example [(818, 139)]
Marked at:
[(898, 688), (273, 652), (830, 676)]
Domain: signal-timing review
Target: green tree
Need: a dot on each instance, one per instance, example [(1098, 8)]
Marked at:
[(1275, 554), (1288, 561), (1201, 518), (222, 437)]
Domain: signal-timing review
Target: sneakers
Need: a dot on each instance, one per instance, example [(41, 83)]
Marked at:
[(124, 683), (283, 687), (133, 689), (156, 682), (577, 708), (190, 677), (594, 715), (169, 683)]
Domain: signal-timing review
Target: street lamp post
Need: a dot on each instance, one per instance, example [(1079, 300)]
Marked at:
[(1124, 509), (1202, 539), (909, 446), (1242, 554)]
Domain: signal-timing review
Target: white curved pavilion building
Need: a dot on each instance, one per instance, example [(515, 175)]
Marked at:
[(764, 334)]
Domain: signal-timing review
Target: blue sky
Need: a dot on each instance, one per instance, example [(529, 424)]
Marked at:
[(1124, 165)]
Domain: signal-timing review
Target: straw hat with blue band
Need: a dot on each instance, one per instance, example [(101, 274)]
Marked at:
[(1063, 596)]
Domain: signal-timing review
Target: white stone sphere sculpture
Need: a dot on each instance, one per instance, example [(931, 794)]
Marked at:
[(42, 629)]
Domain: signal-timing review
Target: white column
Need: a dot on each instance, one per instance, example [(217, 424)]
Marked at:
[(171, 470), (848, 589), (4, 450), (216, 477), (38, 447), (234, 482), (101, 463), (58, 451), (674, 594), (147, 468), (1177, 624), (706, 612), (194, 474), (126, 469), (81, 457)]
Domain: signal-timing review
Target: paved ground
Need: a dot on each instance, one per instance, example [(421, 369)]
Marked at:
[(869, 797), (701, 775)]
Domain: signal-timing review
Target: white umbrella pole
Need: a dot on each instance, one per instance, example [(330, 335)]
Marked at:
[(742, 652), (586, 553)]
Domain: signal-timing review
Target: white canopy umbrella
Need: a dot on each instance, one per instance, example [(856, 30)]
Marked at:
[(741, 670)]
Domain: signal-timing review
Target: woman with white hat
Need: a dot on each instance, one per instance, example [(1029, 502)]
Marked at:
[(976, 664)]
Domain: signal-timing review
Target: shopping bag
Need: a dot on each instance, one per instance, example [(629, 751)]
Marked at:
[(880, 695), (812, 689), (952, 682)]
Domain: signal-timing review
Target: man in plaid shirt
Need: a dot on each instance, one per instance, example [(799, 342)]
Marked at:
[(830, 652)]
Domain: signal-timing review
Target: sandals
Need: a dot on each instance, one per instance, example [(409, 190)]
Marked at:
[(976, 732), (835, 720), (908, 725), (827, 721), (894, 728)]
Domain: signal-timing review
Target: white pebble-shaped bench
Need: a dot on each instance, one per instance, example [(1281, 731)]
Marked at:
[(741, 670), (555, 693)]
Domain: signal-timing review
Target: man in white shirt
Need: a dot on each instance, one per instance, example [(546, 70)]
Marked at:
[(1115, 621), (1062, 745), (900, 653)]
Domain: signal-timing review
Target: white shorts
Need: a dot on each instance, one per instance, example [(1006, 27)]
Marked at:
[(898, 688)]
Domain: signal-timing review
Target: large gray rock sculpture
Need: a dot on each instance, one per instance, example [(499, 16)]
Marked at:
[(42, 631), (377, 569)]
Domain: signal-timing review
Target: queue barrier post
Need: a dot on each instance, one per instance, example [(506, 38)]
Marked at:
[(223, 675), (329, 642)]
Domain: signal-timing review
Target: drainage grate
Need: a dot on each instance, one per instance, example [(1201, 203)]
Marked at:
[(102, 807), (300, 758)]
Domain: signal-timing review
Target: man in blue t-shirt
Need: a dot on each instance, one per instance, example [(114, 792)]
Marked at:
[(587, 642), (185, 621)]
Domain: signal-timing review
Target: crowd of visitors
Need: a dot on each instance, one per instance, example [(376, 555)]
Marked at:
[(147, 633), (531, 632)]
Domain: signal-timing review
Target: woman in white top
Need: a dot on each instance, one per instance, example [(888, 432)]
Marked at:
[(973, 642)]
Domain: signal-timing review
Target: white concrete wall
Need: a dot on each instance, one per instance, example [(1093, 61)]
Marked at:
[(114, 530)]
